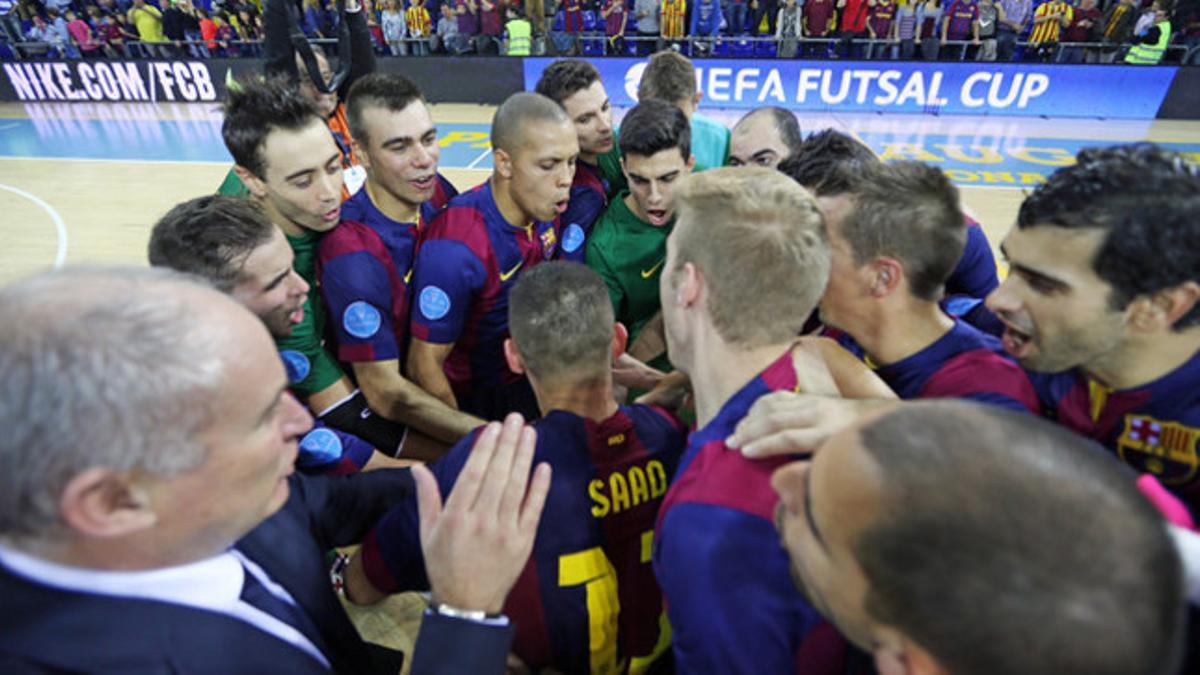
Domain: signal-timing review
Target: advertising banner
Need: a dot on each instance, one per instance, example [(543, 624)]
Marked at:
[(907, 87)]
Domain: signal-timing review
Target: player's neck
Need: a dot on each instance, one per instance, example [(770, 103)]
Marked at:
[(589, 398), (395, 209), (513, 214), (1144, 359), (904, 331), (589, 158), (289, 228), (720, 370)]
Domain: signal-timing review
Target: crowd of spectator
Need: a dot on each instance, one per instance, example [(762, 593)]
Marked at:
[(1064, 31)]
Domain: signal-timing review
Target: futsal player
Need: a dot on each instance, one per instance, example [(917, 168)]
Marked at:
[(576, 86), (366, 262), (1103, 305), (813, 166), (229, 242), (764, 137), (587, 601), (292, 167), (286, 66), (746, 264), (476, 250), (893, 241), (628, 246), (669, 76)]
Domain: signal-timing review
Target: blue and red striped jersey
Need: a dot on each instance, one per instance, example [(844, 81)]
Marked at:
[(963, 363), (469, 259), (364, 266), (975, 274), (587, 601), (587, 202), (1154, 428), (730, 596)]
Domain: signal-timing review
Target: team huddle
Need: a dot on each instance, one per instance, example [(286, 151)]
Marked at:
[(679, 333)]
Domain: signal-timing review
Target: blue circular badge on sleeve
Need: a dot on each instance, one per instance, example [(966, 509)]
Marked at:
[(320, 446), (361, 320), (573, 238), (434, 303), (296, 364)]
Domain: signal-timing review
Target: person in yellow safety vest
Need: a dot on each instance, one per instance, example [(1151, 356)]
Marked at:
[(1149, 48), (518, 33)]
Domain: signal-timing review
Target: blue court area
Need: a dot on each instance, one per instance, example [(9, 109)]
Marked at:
[(1011, 161)]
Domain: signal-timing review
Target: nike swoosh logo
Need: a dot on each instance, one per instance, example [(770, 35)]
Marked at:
[(505, 276), (646, 274), (408, 276)]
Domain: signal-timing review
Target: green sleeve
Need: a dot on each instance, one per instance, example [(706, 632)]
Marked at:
[(596, 259), (322, 370), (233, 186)]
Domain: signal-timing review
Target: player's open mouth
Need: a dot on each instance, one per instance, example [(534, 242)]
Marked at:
[(332, 216), (1017, 343), (425, 183), (560, 206), (297, 316), (657, 216)]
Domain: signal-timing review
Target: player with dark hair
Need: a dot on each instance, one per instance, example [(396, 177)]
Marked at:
[(587, 601), (576, 86), (284, 63), (292, 167), (476, 249), (830, 163), (764, 137), (366, 262), (746, 263), (229, 242), (948, 537), (1103, 302), (670, 76), (629, 243), (893, 241)]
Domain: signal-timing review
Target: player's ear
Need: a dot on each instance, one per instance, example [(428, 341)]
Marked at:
[(620, 339), (624, 170), (691, 163), (503, 163), (1159, 312), (687, 286), (101, 503), (360, 153), (513, 357), (253, 183), (886, 274)]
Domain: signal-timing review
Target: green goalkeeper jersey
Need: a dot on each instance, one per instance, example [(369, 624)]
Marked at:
[(629, 254)]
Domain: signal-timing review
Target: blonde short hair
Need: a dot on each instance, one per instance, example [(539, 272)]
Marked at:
[(759, 241)]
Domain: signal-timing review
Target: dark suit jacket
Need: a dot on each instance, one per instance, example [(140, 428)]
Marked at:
[(46, 629)]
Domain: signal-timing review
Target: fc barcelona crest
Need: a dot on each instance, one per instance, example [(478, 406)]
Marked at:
[(549, 240), (1165, 449)]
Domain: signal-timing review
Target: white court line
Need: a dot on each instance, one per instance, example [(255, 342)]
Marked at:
[(483, 155), (60, 227)]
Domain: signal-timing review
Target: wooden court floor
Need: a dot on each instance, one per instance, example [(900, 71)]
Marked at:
[(84, 183)]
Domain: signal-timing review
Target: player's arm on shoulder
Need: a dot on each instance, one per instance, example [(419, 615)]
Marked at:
[(788, 423), (651, 340), (402, 400), (851, 376)]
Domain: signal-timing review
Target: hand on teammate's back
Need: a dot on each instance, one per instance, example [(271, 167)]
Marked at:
[(476, 544), (787, 423)]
